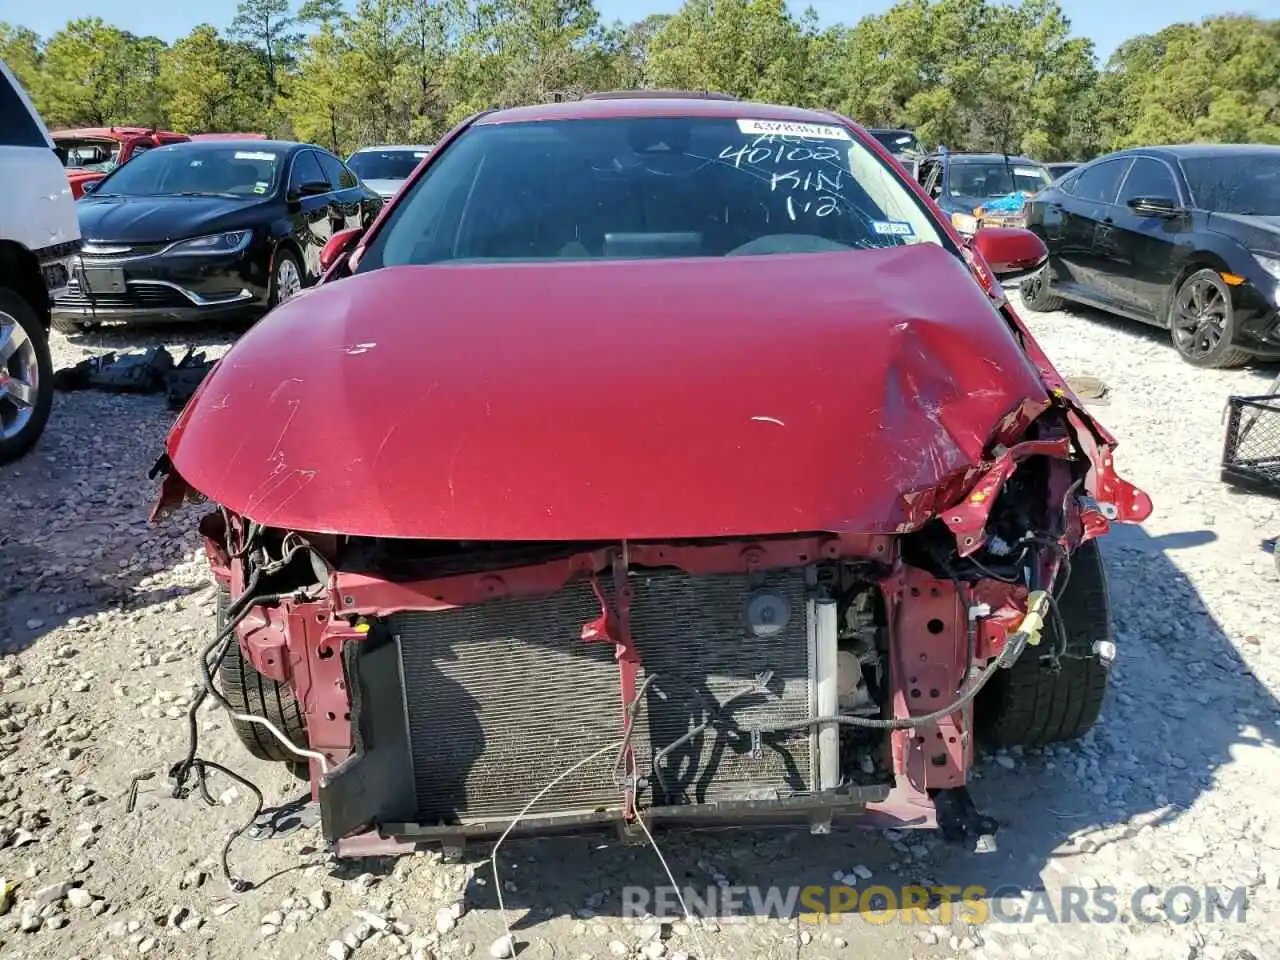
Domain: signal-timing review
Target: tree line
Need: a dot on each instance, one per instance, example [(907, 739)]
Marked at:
[(969, 74)]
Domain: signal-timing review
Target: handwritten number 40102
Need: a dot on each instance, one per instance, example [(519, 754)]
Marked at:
[(771, 152)]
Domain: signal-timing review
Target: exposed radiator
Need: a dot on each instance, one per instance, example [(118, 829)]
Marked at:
[(503, 696)]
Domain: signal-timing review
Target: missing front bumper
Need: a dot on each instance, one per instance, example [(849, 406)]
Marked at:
[(463, 715)]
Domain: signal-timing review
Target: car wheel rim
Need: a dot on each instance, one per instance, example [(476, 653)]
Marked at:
[(19, 378), (1199, 317), (288, 282)]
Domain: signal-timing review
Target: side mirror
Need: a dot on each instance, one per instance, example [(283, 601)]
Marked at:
[(1155, 207), (311, 188), (1010, 252), (337, 246)]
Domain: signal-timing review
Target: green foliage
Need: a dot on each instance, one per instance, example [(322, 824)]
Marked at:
[(970, 74)]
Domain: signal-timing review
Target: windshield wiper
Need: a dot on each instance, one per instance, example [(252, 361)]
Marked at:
[(205, 193)]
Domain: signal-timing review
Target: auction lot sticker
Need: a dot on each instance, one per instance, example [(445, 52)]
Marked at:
[(788, 128)]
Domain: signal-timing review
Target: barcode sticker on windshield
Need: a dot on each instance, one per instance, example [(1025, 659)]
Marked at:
[(419, 155), (787, 128), (248, 155), (1026, 172), (893, 228)]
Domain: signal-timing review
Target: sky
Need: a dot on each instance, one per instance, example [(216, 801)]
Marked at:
[(1107, 22)]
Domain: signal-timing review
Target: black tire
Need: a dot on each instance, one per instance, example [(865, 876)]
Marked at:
[(68, 326), (25, 340), (1030, 704), (1200, 345), (250, 692), (1037, 295), (283, 257)]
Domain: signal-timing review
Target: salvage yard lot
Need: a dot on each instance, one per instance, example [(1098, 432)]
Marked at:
[(102, 616)]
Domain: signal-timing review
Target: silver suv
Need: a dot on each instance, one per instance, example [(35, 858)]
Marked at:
[(39, 239)]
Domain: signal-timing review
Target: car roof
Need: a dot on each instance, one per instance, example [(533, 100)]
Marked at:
[(394, 146), (666, 106), (1188, 151), (984, 158), (280, 146), (111, 133)]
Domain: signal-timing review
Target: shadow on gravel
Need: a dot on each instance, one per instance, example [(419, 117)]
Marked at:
[(74, 534), (1181, 701), (1144, 331), (119, 336)]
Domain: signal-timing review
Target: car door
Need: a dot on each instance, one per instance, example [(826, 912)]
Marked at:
[(1149, 245), (310, 213), (1083, 211), (344, 203)]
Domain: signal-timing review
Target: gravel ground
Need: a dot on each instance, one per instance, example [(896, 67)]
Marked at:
[(101, 616)]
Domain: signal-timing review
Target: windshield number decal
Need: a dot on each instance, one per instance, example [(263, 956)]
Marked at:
[(247, 155), (893, 228), (787, 128)]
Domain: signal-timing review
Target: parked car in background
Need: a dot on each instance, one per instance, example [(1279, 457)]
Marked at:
[(90, 154), (981, 189), (1059, 170), (792, 588), (209, 229), (38, 240), (1186, 238), (384, 169), (903, 144)]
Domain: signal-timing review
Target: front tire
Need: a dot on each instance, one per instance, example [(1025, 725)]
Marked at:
[(1037, 295), (26, 376), (286, 278), (1202, 322), (249, 692), (1030, 704)]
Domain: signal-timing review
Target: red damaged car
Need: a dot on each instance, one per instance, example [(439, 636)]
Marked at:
[(651, 457)]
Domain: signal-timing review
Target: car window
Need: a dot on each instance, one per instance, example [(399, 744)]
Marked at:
[(1101, 183), (306, 169), (986, 180), (629, 188), (931, 178), (17, 127), (385, 164), (1241, 183), (339, 177), (195, 170), (1149, 178), (898, 141), (98, 155)]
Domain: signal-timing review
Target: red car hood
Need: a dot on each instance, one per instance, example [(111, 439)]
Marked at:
[(598, 401)]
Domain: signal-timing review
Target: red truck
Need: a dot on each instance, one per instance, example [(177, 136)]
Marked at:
[(89, 154)]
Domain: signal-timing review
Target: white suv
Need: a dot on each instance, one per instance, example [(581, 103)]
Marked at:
[(39, 240)]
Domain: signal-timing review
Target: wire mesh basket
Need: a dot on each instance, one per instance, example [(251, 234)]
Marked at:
[(1251, 452)]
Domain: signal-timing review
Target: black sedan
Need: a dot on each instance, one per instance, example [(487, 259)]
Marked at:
[(209, 229), (1186, 238)]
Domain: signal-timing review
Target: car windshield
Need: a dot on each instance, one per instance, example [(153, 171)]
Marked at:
[(1240, 183), (385, 164), (98, 155), (996, 179), (187, 170), (897, 141), (627, 188)]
